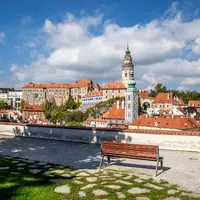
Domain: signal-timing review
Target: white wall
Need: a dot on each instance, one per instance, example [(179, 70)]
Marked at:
[(93, 135)]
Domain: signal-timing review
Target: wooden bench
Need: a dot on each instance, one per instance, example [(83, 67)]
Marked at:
[(133, 151)]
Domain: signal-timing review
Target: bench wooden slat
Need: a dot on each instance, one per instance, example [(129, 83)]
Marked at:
[(134, 151)]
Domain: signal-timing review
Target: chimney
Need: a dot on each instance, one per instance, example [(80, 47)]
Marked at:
[(117, 105), (123, 104), (168, 96)]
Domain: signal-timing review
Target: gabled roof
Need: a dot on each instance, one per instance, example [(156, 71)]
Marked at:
[(114, 85), (28, 107), (115, 113), (194, 103), (167, 98), (175, 122), (143, 93), (94, 94), (96, 85)]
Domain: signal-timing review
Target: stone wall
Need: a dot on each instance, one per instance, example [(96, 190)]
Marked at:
[(173, 140)]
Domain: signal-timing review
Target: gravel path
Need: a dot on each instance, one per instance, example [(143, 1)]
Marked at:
[(182, 168)]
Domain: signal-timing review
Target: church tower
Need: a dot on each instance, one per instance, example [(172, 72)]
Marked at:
[(131, 97), (127, 67)]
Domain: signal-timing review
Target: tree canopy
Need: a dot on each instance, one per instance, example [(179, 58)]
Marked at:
[(4, 105)]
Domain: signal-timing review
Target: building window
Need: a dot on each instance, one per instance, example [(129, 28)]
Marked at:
[(125, 74), (118, 91), (129, 97), (112, 91)]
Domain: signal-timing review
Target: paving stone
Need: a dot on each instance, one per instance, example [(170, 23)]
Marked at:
[(88, 186), (142, 198), (171, 191), (29, 161), (81, 194), (35, 171), (15, 173), (58, 171), (78, 182), (20, 164), (66, 175), (118, 175), (127, 177), (91, 179), (136, 190), (145, 176), (4, 168), (108, 179), (120, 195), (41, 163), (14, 162), (20, 168), (78, 178), (195, 195), (55, 180), (171, 198), (99, 192), (64, 189), (138, 180), (83, 174), (32, 166), (153, 186), (124, 182), (49, 175), (47, 166), (117, 187)]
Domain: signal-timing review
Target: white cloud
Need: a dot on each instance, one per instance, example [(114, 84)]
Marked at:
[(26, 19), (2, 36), (73, 51), (13, 67)]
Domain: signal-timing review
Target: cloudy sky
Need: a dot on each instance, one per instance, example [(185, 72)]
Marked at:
[(62, 41)]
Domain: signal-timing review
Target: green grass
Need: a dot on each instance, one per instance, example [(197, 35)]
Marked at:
[(28, 186)]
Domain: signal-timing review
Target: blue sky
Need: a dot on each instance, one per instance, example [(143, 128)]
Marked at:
[(62, 41)]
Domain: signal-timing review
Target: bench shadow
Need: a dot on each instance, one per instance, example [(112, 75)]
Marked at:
[(134, 165)]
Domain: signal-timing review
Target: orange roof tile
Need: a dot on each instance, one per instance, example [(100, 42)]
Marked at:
[(92, 94), (143, 93), (114, 85), (96, 85), (115, 113), (177, 122), (167, 98), (28, 107), (195, 103)]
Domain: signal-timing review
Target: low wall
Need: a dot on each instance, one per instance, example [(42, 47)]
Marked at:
[(186, 141)]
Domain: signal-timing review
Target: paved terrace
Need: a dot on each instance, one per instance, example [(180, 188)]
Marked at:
[(182, 168)]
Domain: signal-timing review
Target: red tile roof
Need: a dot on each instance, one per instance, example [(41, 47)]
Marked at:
[(28, 107), (167, 98), (96, 85), (115, 113), (80, 83), (194, 103), (93, 94), (176, 122), (114, 85), (143, 93)]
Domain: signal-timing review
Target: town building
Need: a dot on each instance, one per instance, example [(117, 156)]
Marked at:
[(32, 112), (168, 122), (195, 104), (36, 94), (166, 101), (113, 89), (14, 99)]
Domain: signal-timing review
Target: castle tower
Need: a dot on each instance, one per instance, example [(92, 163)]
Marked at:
[(127, 67), (131, 97)]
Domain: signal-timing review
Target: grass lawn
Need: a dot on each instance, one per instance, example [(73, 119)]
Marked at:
[(31, 180)]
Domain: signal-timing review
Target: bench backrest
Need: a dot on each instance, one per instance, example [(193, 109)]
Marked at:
[(142, 151)]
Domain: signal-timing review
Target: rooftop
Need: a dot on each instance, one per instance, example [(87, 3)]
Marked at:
[(114, 85)]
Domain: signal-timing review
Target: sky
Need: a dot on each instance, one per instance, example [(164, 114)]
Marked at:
[(62, 41)]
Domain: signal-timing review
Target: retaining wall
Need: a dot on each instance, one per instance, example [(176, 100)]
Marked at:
[(173, 140)]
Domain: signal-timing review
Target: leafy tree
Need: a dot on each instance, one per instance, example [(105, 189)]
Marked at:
[(4, 105), (22, 106), (159, 88)]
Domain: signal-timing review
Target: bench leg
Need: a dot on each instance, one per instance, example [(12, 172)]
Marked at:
[(108, 159), (157, 166), (101, 162), (161, 163)]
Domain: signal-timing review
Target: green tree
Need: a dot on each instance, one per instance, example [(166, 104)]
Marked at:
[(159, 88), (4, 105)]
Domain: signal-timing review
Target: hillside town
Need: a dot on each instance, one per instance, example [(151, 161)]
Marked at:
[(131, 108)]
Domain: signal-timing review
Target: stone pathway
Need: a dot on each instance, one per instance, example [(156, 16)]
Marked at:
[(99, 185)]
